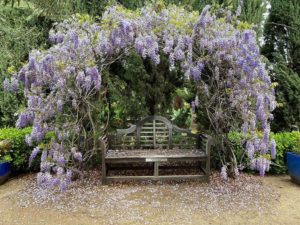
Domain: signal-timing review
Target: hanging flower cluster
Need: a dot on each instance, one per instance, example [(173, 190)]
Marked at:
[(214, 52)]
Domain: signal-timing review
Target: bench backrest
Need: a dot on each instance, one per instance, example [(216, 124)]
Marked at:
[(155, 132)]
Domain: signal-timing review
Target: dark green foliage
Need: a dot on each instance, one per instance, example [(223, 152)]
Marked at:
[(139, 88), (182, 117), (20, 32), (282, 31), (287, 92), (282, 48), (286, 142), (57, 10), (21, 151), (12, 2), (202, 119)]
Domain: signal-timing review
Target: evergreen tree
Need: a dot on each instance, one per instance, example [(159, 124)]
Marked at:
[(139, 88), (286, 117), (282, 32), (282, 48)]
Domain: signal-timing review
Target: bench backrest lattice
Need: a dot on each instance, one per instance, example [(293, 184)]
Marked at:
[(155, 132)]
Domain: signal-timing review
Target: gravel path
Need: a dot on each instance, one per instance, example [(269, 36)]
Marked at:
[(247, 200)]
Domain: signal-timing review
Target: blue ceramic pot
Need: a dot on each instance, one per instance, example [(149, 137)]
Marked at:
[(4, 172), (293, 163)]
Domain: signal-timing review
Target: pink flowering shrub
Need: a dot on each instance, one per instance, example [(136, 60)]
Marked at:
[(64, 92)]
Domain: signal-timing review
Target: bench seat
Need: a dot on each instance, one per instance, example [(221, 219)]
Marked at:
[(172, 153)]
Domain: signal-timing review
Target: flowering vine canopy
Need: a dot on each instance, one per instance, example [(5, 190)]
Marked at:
[(214, 50)]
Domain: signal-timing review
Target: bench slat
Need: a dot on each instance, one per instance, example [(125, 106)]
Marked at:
[(170, 177)]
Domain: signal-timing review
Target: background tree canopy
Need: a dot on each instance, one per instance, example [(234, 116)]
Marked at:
[(26, 26)]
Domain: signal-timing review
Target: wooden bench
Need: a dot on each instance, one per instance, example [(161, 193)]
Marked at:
[(155, 140)]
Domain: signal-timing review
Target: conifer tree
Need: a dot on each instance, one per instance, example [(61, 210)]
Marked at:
[(282, 48), (282, 32)]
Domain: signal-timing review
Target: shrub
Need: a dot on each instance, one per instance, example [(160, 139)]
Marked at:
[(285, 142), (20, 151), (5, 151)]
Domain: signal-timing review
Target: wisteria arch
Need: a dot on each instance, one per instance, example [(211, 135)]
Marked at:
[(215, 50)]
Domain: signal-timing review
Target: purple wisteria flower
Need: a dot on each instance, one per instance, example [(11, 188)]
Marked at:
[(193, 106), (59, 105), (14, 85), (228, 18), (236, 172), (25, 118), (63, 185), (238, 11), (78, 156), (223, 173), (197, 101), (44, 155), (273, 148), (218, 115), (34, 152), (74, 103), (69, 176), (6, 84), (28, 140), (62, 160)]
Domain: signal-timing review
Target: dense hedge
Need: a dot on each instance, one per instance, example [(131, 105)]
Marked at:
[(286, 142), (21, 151), (20, 32)]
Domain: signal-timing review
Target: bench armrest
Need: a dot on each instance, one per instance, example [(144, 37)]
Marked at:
[(209, 142), (104, 145)]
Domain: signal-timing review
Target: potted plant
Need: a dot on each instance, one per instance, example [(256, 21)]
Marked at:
[(5, 158), (293, 163)]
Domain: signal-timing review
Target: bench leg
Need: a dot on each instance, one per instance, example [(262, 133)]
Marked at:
[(208, 169), (104, 171), (156, 165)]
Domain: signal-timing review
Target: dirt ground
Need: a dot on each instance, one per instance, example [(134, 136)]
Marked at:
[(158, 203)]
